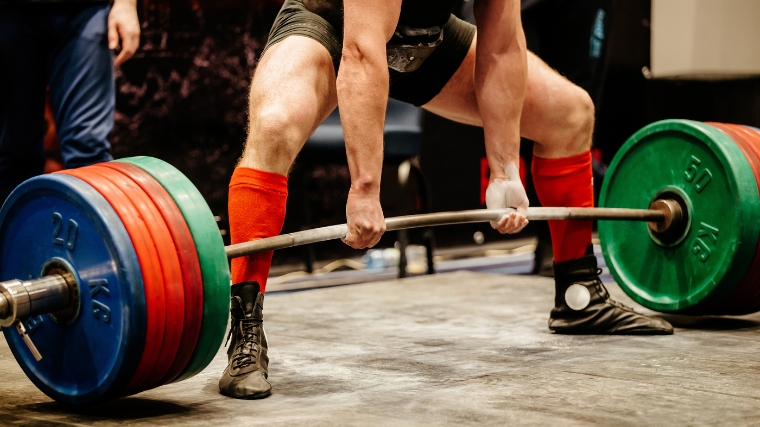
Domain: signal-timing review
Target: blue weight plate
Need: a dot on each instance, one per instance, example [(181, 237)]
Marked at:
[(92, 356)]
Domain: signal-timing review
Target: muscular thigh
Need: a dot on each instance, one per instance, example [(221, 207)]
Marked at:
[(292, 92), (548, 98)]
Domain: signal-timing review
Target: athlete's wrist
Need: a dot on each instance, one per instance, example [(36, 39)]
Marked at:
[(365, 188)]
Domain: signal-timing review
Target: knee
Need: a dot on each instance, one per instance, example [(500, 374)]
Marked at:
[(570, 124), (273, 140), (271, 126), (580, 121)]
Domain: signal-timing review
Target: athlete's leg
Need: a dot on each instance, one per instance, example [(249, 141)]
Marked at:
[(292, 91), (559, 117)]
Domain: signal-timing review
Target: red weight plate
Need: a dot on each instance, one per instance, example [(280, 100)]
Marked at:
[(172, 274), (749, 302), (752, 139), (744, 298), (747, 139), (150, 265), (188, 259)]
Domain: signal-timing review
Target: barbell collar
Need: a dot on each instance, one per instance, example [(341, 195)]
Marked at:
[(442, 218), (672, 211)]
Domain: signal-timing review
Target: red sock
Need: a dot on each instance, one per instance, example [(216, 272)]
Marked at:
[(566, 182), (257, 210)]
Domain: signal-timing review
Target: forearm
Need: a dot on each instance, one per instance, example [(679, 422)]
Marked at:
[(362, 87), (500, 75), (500, 102)]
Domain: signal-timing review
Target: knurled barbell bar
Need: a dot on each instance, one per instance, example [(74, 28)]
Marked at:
[(83, 245), (662, 215)]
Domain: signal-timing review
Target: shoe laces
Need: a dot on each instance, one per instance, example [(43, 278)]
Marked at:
[(610, 300), (248, 346)]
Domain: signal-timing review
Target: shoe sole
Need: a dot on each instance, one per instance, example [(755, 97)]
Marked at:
[(632, 332), (250, 396), (254, 396), (258, 396)]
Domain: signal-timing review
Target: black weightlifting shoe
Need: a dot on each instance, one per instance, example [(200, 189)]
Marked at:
[(582, 305), (246, 374)]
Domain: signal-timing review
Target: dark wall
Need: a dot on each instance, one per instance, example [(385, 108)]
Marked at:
[(631, 101), (622, 106)]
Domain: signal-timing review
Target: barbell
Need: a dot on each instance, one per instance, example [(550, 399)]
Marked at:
[(116, 279)]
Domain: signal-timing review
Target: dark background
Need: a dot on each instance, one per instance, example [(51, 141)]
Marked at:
[(183, 98)]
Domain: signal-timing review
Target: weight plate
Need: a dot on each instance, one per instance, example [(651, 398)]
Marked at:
[(188, 258), (746, 296), (214, 266), (752, 136), (170, 267), (93, 355), (149, 264), (704, 167)]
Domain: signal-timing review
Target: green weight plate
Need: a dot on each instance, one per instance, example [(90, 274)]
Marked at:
[(701, 165), (210, 249)]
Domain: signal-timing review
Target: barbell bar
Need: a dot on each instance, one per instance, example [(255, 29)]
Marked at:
[(661, 214)]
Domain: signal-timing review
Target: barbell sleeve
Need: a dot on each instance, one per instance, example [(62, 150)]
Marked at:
[(5, 307), (21, 299), (442, 218)]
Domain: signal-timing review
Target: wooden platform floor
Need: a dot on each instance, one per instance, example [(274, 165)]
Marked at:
[(451, 349)]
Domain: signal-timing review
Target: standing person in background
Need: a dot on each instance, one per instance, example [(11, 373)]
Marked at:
[(571, 36), (66, 45)]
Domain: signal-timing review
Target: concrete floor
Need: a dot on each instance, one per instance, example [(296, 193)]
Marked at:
[(451, 349)]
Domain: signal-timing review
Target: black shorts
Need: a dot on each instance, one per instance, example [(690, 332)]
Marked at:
[(417, 87)]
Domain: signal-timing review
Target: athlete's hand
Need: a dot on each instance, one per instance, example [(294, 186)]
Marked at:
[(508, 192), (366, 223), (123, 25)]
